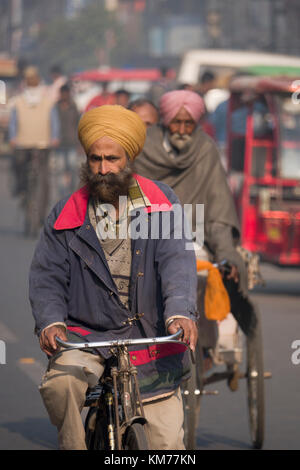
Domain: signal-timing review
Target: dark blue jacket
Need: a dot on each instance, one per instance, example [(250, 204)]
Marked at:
[(70, 282)]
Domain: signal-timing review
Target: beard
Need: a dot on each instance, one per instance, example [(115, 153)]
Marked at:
[(180, 142), (106, 188)]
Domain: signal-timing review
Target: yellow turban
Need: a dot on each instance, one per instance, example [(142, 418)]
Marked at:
[(120, 124)]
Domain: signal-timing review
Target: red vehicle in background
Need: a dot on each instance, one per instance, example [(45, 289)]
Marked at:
[(136, 81), (263, 157)]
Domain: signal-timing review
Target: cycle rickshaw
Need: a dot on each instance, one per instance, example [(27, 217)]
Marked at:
[(263, 164), (234, 341)]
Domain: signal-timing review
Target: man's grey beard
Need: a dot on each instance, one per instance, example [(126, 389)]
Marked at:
[(109, 187), (180, 142)]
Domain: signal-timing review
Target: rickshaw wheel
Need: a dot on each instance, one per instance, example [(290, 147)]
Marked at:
[(255, 383), (191, 398)]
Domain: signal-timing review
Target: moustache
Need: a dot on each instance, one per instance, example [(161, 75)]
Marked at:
[(106, 187), (109, 179), (178, 136)]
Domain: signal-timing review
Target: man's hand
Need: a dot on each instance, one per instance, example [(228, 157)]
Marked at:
[(190, 331), (232, 274), (47, 339)]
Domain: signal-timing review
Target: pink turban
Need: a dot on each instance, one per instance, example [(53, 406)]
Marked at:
[(171, 102)]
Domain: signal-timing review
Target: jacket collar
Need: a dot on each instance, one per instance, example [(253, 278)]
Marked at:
[(74, 211)]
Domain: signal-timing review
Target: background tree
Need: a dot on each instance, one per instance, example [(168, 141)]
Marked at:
[(88, 40)]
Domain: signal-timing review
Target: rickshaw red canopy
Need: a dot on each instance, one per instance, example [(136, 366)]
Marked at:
[(110, 74)]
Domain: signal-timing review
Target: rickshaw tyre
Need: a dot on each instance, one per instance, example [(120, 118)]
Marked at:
[(255, 384)]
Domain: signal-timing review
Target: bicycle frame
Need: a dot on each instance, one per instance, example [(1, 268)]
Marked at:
[(125, 388)]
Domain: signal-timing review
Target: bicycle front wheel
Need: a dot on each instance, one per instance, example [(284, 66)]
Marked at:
[(90, 423), (95, 426), (135, 438)]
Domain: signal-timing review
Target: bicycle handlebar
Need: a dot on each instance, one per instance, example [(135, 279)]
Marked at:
[(122, 342)]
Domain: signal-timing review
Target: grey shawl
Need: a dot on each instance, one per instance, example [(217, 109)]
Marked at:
[(196, 176)]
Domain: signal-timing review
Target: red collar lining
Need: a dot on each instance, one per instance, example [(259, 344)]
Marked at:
[(74, 211)]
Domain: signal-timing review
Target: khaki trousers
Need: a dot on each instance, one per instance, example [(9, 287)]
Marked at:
[(63, 390)]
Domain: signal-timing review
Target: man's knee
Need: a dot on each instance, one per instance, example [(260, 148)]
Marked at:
[(61, 392), (165, 423)]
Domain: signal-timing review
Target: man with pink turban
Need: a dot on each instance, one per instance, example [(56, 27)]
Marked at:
[(172, 102), (179, 153), (91, 280)]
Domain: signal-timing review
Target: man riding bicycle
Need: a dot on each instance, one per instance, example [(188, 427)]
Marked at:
[(88, 279)]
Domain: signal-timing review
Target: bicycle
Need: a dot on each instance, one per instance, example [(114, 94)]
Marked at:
[(194, 389), (116, 418)]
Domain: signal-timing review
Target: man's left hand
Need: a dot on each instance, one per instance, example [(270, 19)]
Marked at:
[(230, 272), (234, 274), (190, 331)]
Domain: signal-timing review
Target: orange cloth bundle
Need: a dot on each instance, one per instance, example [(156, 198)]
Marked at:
[(216, 300)]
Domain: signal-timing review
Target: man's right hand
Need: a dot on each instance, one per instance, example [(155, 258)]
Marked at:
[(47, 338)]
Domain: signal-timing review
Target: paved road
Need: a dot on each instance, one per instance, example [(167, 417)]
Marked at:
[(223, 425)]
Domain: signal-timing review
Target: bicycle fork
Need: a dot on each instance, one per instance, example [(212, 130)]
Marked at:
[(108, 400)]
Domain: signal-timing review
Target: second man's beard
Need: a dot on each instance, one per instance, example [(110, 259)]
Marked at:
[(106, 188), (180, 142)]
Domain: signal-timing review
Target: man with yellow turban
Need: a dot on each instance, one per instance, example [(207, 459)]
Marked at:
[(89, 280)]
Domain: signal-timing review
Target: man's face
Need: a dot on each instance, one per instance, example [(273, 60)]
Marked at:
[(107, 171), (147, 113), (122, 99), (181, 129), (32, 81), (65, 96)]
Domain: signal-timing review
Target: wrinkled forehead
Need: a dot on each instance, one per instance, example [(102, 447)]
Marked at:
[(106, 146), (183, 115)]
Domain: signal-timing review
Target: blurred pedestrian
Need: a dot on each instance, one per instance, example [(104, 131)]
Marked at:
[(58, 80), (122, 97), (33, 130), (185, 86), (207, 82), (66, 154), (147, 111), (104, 97), (163, 85)]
